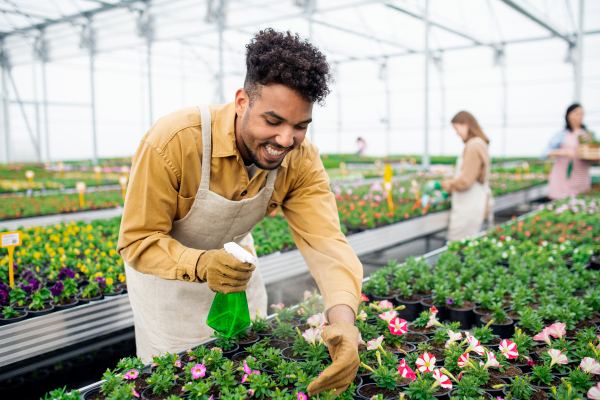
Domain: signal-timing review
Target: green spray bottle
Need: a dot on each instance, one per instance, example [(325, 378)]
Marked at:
[(229, 314)]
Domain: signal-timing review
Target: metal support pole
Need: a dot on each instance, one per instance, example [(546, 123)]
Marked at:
[(36, 145), (388, 107), (149, 60), (5, 105), (339, 109), (579, 57), (145, 29), (439, 63), (504, 109), (88, 41), (37, 109), (42, 53), (425, 162)]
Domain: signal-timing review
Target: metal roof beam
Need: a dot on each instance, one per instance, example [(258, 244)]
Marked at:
[(70, 18), (441, 26), (541, 20)]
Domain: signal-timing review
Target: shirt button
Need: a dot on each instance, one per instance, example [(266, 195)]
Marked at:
[(244, 193), (186, 277)]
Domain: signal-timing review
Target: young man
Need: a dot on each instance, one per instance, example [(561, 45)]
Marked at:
[(204, 176)]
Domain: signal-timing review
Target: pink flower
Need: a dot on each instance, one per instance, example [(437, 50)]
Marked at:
[(317, 320), (557, 357), (246, 368), (312, 335), (434, 310), (474, 345), (491, 361), (398, 326), (362, 298), (307, 295), (594, 392), (442, 379), (199, 370), (590, 366), (131, 374), (463, 360), (360, 339), (454, 337), (301, 311), (136, 394), (432, 321), (530, 363), (385, 305), (375, 343), (543, 336), (178, 363), (251, 392), (278, 306), (509, 349), (426, 363), (388, 316), (362, 315), (244, 378), (405, 371), (557, 330), (301, 396)]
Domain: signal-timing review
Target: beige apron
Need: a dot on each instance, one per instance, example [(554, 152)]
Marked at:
[(170, 315), (469, 206)]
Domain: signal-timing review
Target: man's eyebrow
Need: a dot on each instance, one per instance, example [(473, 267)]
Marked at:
[(273, 114)]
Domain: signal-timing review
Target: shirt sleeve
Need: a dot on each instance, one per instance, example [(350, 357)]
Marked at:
[(554, 144), (148, 214), (311, 212), (473, 164)]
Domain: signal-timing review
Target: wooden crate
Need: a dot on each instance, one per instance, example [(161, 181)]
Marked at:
[(589, 152)]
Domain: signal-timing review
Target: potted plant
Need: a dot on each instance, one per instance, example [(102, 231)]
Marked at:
[(227, 345), (37, 306), (62, 394), (529, 322), (261, 327), (499, 322), (524, 344), (460, 310), (542, 378), (422, 325), (161, 384), (438, 300), (9, 315), (91, 292), (18, 297), (410, 301), (387, 378), (519, 388), (485, 303), (60, 299), (468, 388), (486, 336)]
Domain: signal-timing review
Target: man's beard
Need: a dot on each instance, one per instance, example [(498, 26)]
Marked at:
[(253, 156)]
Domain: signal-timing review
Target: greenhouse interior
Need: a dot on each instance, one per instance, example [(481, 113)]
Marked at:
[(451, 146)]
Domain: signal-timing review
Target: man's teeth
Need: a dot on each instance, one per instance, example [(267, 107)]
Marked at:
[(273, 152)]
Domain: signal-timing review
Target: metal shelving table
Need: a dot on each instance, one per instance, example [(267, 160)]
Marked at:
[(40, 335)]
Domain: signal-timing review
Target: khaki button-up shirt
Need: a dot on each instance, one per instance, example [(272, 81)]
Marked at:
[(165, 177)]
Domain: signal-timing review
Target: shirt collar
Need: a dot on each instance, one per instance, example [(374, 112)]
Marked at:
[(223, 135)]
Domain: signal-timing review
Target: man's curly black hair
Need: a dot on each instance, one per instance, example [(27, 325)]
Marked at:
[(279, 57)]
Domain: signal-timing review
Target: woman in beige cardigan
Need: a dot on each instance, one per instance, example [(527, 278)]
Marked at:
[(471, 194)]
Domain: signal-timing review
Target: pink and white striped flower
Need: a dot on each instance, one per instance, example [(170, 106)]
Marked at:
[(433, 321), (441, 380), (474, 345), (491, 361), (426, 363), (317, 320), (557, 330), (463, 361), (307, 295), (312, 335), (398, 326), (388, 316), (277, 306), (385, 305), (594, 392), (360, 339), (454, 337), (199, 370), (375, 343), (405, 371), (557, 357), (509, 349), (544, 335), (434, 310), (362, 315), (590, 366)]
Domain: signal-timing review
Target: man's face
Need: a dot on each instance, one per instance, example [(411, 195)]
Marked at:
[(274, 125)]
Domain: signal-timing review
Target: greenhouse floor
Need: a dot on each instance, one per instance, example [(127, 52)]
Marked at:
[(283, 292)]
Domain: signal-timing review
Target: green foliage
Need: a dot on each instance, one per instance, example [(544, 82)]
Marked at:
[(17, 295), (127, 363), (9, 312), (261, 384), (37, 302), (385, 377), (484, 334), (161, 381), (531, 320), (62, 394), (260, 325), (223, 342), (419, 389), (284, 331), (580, 380), (111, 382), (520, 387), (541, 375), (468, 388), (199, 389), (91, 290), (124, 392), (225, 376)]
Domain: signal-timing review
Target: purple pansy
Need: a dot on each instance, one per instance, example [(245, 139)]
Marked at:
[(101, 282), (65, 273), (449, 301), (27, 288), (3, 298), (35, 284), (27, 275), (5, 287), (57, 289)]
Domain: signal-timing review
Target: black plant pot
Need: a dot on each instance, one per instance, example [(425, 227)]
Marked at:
[(117, 292), (36, 384), (229, 353), (442, 314), (442, 396), (412, 310), (366, 378), (477, 318), (34, 313), (401, 355), (364, 387), (23, 314), (495, 392), (465, 317), (88, 395), (59, 307), (11, 388), (249, 343), (503, 330), (61, 377), (595, 263), (505, 393), (85, 301), (288, 353)]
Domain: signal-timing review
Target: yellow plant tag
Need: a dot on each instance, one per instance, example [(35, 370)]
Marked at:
[(343, 169), (81, 188), (388, 173), (123, 181), (10, 240)]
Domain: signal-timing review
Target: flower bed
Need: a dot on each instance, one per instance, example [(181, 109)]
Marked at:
[(544, 269)]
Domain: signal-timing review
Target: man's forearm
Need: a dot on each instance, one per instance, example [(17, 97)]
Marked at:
[(341, 312)]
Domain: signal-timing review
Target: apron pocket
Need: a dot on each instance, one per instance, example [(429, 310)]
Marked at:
[(184, 204), (239, 238)]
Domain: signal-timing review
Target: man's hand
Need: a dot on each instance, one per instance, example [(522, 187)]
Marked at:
[(342, 341), (223, 272)]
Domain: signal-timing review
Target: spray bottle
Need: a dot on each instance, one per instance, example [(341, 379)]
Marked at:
[(229, 314)]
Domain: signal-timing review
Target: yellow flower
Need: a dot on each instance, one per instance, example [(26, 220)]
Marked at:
[(89, 228), (37, 255), (99, 273), (110, 269), (112, 252), (90, 237), (37, 269), (61, 251), (121, 278), (87, 252), (77, 252), (109, 281)]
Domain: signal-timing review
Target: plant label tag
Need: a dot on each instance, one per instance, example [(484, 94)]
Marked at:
[(11, 239)]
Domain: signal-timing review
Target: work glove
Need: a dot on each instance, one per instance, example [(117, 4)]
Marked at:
[(223, 272), (432, 186), (342, 341)]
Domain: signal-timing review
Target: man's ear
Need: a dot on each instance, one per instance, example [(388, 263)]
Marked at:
[(242, 102)]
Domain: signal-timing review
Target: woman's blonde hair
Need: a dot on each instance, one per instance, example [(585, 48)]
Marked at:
[(465, 117)]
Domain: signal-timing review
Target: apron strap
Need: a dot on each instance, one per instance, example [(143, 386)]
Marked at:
[(206, 145), (271, 177)]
